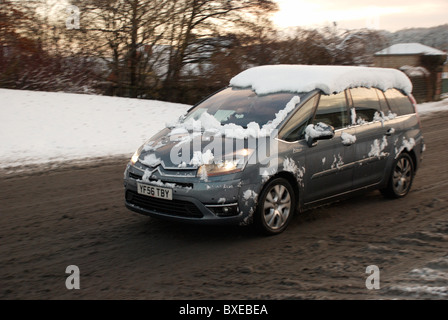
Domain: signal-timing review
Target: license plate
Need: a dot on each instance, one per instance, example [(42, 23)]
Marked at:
[(154, 191)]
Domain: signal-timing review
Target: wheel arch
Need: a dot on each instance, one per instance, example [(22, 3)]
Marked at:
[(413, 156), (288, 176), (388, 190)]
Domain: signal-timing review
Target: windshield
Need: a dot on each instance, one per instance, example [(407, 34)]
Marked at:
[(241, 107)]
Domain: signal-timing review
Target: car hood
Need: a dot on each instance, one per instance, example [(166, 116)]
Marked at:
[(177, 151)]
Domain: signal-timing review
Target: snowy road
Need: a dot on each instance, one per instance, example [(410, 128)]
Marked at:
[(74, 215)]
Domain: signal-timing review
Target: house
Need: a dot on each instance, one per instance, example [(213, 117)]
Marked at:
[(423, 65), (445, 78)]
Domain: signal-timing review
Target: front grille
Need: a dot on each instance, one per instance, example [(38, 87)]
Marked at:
[(176, 208), (135, 176), (177, 184)]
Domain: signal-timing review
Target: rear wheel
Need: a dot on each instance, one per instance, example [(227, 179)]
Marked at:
[(276, 206), (401, 177)]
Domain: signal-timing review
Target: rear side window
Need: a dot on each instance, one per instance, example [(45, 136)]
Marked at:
[(332, 110), (382, 100), (398, 102), (295, 128), (366, 104)]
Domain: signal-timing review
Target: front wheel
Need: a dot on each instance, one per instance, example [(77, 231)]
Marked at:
[(401, 177), (276, 206)]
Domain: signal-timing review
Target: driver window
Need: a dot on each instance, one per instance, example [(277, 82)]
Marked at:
[(295, 128), (332, 110)]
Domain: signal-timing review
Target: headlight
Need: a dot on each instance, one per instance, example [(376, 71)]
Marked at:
[(216, 169), (136, 155), (235, 163)]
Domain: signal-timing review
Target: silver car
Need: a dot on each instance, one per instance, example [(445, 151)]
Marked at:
[(248, 157)]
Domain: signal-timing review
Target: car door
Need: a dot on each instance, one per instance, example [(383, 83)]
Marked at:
[(329, 163), (292, 145), (400, 108), (374, 134)]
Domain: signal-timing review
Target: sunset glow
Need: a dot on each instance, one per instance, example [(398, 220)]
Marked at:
[(389, 15)]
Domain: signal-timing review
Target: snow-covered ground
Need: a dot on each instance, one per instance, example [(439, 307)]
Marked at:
[(41, 127), (429, 107)]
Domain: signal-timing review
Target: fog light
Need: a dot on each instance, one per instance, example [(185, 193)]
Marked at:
[(129, 196), (226, 210)]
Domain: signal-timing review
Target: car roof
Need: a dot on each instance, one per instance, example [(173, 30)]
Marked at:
[(329, 79)]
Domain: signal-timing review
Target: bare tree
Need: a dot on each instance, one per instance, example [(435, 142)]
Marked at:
[(149, 43), (196, 20), (349, 46), (125, 34), (35, 52), (176, 50)]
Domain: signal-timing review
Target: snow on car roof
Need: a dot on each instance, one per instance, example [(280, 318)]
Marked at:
[(330, 79)]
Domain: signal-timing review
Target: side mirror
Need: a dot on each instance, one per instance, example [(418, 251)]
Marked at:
[(316, 132)]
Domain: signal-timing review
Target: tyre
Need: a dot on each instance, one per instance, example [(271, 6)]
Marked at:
[(401, 177), (276, 206)]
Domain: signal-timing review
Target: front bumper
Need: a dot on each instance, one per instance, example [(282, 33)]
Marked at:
[(201, 202)]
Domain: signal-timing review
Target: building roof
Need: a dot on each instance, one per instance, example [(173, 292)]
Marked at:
[(410, 48)]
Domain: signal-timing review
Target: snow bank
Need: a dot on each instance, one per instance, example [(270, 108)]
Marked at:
[(330, 79), (39, 127), (437, 292), (428, 107)]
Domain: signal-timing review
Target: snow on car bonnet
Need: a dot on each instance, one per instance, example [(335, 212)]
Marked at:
[(329, 79)]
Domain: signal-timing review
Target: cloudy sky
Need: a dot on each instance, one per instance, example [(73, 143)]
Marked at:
[(390, 15)]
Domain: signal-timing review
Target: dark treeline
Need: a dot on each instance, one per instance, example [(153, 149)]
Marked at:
[(173, 50)]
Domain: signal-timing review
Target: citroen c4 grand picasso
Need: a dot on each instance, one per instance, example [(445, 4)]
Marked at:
[(278, 140)]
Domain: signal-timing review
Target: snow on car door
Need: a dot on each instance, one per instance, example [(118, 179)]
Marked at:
[(373, 136), (330, 162)]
